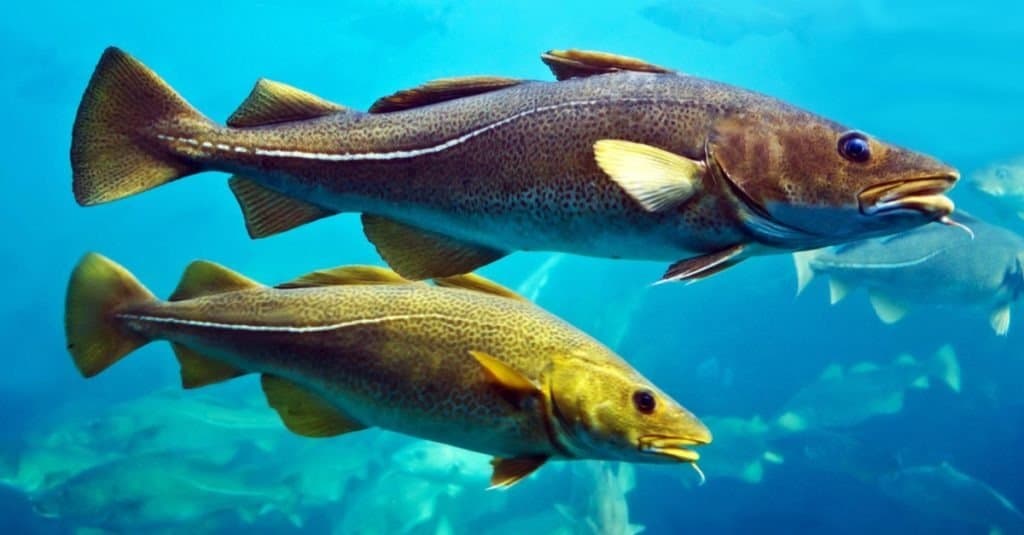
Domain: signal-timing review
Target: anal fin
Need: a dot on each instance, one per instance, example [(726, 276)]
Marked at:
[(199, 370), (418, 254), (303, 412), (508, 472), (887, 309), (837, 290), (268, 212), (1000, 320), (694, 269)]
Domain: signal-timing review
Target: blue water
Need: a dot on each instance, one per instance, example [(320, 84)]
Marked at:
[(942, 79)]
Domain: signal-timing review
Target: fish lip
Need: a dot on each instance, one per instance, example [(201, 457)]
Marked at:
[(924, 195), (672, 447)]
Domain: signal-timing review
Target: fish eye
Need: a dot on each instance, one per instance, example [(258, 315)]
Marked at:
[(644, 401), (854, 146)]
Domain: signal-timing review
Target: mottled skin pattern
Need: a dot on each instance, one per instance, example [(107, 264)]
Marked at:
[(934, 264), (403, 363), (532, 183)]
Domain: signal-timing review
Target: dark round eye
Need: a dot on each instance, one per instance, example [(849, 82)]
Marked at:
[(644, 401), (854, 146)]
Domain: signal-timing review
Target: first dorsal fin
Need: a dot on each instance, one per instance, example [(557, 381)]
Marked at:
[(272, 102), (344, 276), (303, 412), (477, 283), (565, 64), (207, 278), (441, 90)]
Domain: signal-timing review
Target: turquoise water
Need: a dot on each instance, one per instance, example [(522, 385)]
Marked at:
[(942, 79)]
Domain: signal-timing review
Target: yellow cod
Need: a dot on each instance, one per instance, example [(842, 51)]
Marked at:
[(619, 158), (465, 362)]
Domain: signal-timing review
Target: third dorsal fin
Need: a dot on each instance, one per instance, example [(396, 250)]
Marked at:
[(572, 63), (441, 90), (346, 275), (207, 278), (272, 102)]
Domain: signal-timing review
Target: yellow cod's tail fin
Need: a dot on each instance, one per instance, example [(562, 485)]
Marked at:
[(98, 289), (111, 156)]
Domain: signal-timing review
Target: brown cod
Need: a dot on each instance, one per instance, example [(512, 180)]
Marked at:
[(465, 362), (619, 158)]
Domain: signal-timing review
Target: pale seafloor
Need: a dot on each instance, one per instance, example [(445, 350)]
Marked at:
[(943, 78)]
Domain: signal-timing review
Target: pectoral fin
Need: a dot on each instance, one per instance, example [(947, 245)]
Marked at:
[(272, 102), (1000, 320), (417, 254), (655, 178), (268, 212), (887, 309), (694, 269), (565, 64), (303, 412), (199, 370), (346, 275), (511, 384), (508, 472)]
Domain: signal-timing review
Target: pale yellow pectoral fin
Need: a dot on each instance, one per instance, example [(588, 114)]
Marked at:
[(441, 90), (837, 290), (574, 63), (508, 472), (268, 212), (655, 178), (887, 309), (207, 278), (272, 102), (512, 384), (418, 254), (1000, 320), (694, 269), (477, 283), (199, 370), (347, 275), (305, 413)]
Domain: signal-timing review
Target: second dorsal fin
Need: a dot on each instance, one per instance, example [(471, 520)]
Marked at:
[(346, 275), (476, 283), (441, 90), (272, 102), (572, 63), (207, 278)]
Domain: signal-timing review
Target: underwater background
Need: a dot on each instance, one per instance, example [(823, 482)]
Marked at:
[(941, 78)]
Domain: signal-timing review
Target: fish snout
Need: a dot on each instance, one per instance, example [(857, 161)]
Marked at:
[(923, 195), (676, 448)]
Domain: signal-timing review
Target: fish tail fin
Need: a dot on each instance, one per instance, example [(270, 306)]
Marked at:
[(804, 271), (946, 367), (98, 289), (111, 156)]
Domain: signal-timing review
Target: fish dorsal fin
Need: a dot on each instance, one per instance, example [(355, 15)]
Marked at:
[(1000, 320), (476, 283), (199, 370), (441, 90), (508, 472), (887, 309), (272, 102), (511, 384), (303, 412), (833, 371), (905, 360), (864, 367), (207, 278), (347, 275), (699, 267), (418, 254), (573, 63), (268, 212), (837, 290), (656, 179)]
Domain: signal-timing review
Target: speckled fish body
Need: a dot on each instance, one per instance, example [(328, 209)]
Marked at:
[(617, 159), (491, 373)]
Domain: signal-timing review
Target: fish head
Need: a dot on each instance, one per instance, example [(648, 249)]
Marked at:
[(1005, 179), (801, 181), (607, 410)]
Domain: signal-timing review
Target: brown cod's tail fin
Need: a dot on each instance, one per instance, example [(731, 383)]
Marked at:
[(112, 155), (98, 289)]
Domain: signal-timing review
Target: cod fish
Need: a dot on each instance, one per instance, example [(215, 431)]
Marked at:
[(743, 448), (946, 492), (467, 362), (618, 159), (844, 398), (932, 264), (1004, 182)]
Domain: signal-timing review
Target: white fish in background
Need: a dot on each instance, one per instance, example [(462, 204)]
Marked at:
[(742, 450), (933, 264), (1004, 183)]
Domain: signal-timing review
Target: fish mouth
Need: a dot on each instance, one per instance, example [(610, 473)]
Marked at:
[(672, 447), (923, 195)]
